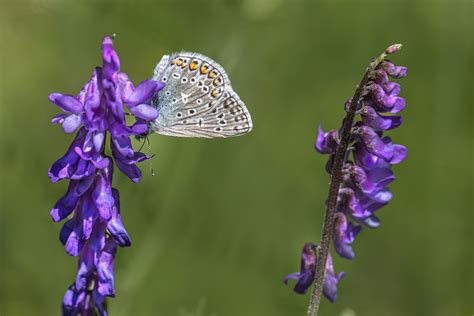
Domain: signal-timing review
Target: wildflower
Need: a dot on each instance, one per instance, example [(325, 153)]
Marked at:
[(360, 160), (366, 171), (94, 228)]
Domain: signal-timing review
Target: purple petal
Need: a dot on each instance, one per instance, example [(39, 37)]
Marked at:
[(59, 118), (66, 230), (359, 178), (331, 281), (292, 276), (382, 123), (394, 71), (326, 143), (371, 221), (63, 168), (373, 143), (304, 282), (115, 226), (344, 235), (399, 154), (85, 269), (66, 102), (131, 171), (381, 177), (88, 216), (102, 194), (93, 94), (160, 85), (73, 244), (105, 269), (113, 100), (66, 204), (348, 203), (384, 102), (126, 87), (98, 141), (144, 111), (111, 62), (71, 123), (122, 147), (72, 300), (142, 93)]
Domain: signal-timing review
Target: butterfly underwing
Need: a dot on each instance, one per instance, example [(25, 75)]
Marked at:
[(197, 100)]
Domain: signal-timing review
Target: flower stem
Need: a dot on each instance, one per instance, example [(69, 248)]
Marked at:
[(336, 178)]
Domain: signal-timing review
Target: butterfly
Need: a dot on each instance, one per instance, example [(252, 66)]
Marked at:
[(197, 100)]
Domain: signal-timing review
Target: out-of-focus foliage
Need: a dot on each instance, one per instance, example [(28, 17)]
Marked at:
[(223, 221)]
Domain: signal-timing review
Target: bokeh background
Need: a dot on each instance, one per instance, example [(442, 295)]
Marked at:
[(223, 221)]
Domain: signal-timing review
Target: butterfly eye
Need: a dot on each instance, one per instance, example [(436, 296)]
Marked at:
[(205, 89), (179, 114), (184, 80), (193, 80), (192, 111), (163, 79), (168, 93), (198, 101)]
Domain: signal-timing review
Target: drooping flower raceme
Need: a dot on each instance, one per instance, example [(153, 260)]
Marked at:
[(366, 171), (91, 206)]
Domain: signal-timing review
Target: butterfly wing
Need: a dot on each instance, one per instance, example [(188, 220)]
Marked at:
[(198, 99)]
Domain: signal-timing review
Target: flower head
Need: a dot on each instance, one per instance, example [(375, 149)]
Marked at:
[(94, 227)]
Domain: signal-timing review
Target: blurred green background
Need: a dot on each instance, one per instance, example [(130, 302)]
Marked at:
[(223, 221)]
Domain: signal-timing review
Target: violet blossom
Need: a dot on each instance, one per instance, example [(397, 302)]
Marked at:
[(366, 171), (91, 206)]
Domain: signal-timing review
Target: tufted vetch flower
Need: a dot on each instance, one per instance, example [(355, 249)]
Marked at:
[(93, 229), (360, 166)]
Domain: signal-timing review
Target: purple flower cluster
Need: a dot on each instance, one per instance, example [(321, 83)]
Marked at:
[(91, 205), (366, 176)]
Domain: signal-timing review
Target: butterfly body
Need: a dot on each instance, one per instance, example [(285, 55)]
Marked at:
[(197, 100)]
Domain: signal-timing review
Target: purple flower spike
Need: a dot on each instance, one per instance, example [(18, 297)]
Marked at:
[(95, 229), (359, 163), (305, 277)]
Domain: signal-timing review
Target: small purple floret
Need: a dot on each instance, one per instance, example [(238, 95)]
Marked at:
[(305, 277)]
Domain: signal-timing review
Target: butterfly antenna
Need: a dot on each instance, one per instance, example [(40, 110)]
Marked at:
[(150, 156), (143, 144)]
